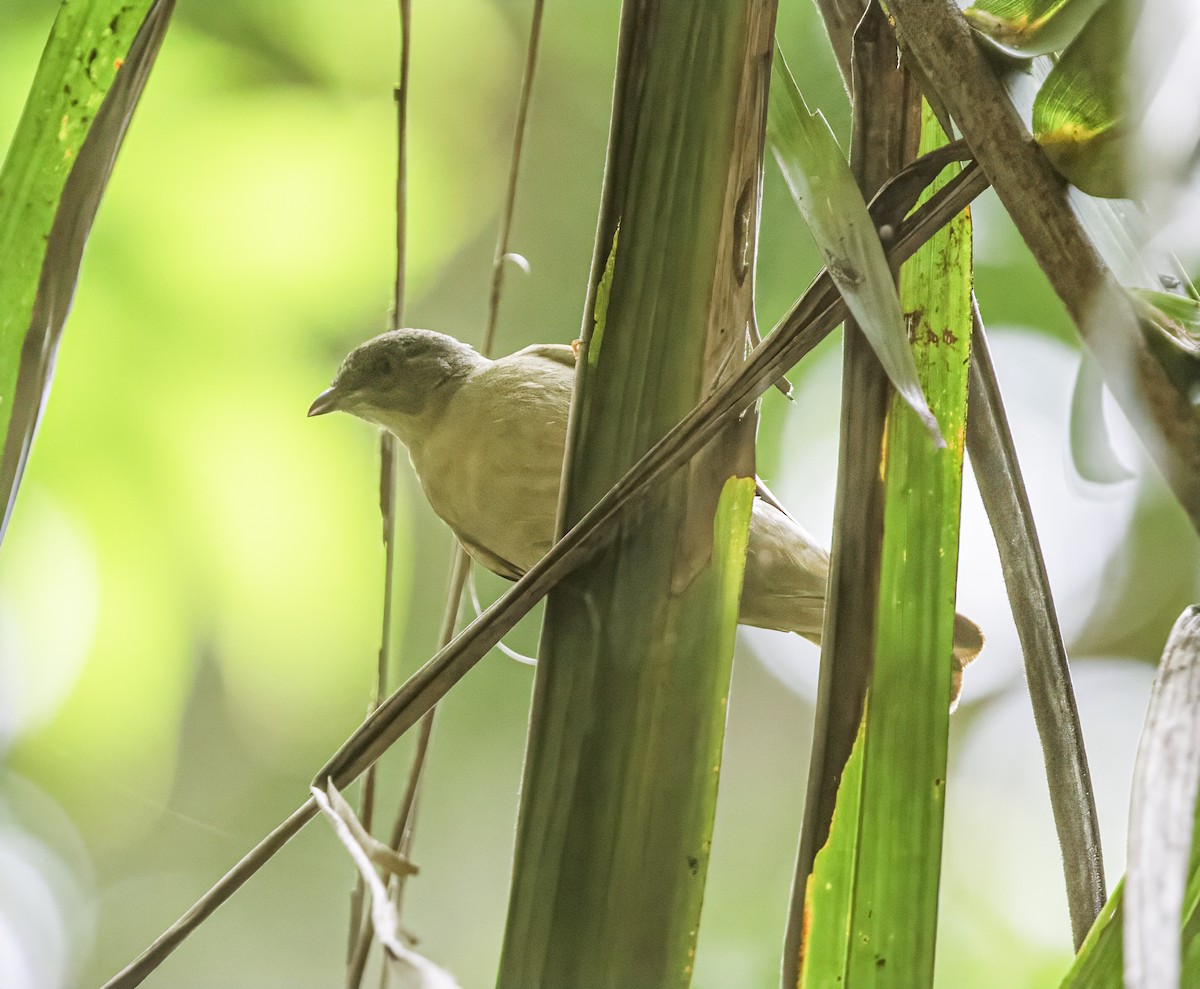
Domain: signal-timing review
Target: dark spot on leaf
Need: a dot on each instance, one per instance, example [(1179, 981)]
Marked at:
[(693, 864), (948, 337), (846, 272), (742, 230)]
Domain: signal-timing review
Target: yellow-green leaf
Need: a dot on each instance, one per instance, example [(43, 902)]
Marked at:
[(1030, 27), (1079, 115)]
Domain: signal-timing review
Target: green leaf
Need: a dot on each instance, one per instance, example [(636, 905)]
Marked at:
[(831, 885), (1115, 226), (833, 207), (1080, 115), (894, 922), (1099, 961), (86, 86), (1182, 310), (600, 312), (1030, 27), (1171, 326), (874, 910)]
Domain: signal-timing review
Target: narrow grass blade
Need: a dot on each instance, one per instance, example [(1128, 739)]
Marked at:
[(87, 84), (830, 888), (833, 206), (998, 473), (1098, 962), (1101, 961), (884, 137), (894, 919)]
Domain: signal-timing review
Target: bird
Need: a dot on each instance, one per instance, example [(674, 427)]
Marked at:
[(486, 439)]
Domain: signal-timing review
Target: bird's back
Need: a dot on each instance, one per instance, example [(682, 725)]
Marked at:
[(784, 584)]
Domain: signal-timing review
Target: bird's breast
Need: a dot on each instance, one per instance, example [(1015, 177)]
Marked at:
[(492, 466)]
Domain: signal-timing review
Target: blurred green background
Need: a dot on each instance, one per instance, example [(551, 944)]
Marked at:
[(190, 586)]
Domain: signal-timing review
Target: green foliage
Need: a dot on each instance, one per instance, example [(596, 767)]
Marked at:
[(1101, 959), (831, 886), (1168, 307), (87, 44), (1080, 114), (875, 916), (50, 185), (904, 769), (1030, 27)]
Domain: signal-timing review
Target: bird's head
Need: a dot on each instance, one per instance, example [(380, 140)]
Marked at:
[(397, 378)]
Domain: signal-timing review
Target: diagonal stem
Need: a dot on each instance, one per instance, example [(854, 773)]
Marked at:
[(994, 460)]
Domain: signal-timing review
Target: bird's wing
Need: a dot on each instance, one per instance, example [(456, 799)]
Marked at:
[(559, 353), (785, 574), (498, 566)]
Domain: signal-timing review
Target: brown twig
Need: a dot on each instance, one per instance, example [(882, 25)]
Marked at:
[(404, 826), (387, 477)]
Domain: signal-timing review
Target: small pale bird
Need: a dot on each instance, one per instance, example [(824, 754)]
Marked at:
[(486, 439)]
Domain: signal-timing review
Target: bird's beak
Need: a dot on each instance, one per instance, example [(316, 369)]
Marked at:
[(327, 401)]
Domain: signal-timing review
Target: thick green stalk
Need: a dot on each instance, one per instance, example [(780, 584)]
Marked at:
[(629, 701)]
